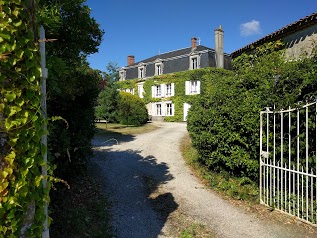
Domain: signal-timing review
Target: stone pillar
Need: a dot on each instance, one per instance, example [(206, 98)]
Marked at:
[(219, 47)]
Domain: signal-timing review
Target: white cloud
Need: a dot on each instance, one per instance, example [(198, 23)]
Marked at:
[(250, 28)]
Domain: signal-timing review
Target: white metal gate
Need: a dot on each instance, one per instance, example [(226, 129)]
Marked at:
[(288, 160)]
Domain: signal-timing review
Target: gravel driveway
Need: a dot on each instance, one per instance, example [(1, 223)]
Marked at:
[(147, 181)]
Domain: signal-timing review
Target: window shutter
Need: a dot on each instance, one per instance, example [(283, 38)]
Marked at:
[(198, 87), (153, 91), (172, 89), (187, 86), (173, 109)]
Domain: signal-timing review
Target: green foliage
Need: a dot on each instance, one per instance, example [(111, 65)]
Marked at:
[(132, 110), (72, 85), (21, 154), (74, 101), (224, 120), (108, 100), (112, 74)]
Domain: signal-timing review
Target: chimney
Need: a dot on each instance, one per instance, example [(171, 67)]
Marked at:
[(219, 47), (194, 40), (130, 60)]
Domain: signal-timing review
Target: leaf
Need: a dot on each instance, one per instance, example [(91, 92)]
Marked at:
[(10, 96)]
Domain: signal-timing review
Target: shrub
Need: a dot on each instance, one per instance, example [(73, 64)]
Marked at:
[(132, 110)]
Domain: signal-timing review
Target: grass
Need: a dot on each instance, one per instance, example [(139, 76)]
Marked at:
[(195, 230), (124, 129), (233, 187)]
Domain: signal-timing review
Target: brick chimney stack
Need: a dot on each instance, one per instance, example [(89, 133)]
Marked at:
[(194, 42), (130, 60), (219, 47)]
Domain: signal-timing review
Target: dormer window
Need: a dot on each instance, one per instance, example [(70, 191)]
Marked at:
[(141, 71), (158, 67), (122, 75), (194, 61)]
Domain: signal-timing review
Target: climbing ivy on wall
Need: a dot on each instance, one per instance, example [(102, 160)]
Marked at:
[(21, 193)]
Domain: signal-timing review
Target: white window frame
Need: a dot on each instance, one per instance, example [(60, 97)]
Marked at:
[(194, 62), (192, 87), (169, 109), (163, 109), (130, 90), (141, 71), (122, 75), (158, 69), (169, 90)]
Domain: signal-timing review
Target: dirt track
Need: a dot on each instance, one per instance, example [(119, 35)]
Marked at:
[(149, 185)]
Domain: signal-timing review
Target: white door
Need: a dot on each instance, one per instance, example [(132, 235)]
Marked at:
[(186, 108)]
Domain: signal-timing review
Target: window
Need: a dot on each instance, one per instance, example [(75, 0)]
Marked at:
[(192, 87), (158, 92), (163, 109), (169, 109), (130, 90), (122, 75), (158, 67), (168, 89), (158, 109), (194, 61), (141, 71)]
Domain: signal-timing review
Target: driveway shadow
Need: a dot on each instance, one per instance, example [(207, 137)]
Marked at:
[(110, 138), (140, 207)]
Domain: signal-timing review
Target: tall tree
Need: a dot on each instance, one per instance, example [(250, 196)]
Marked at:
[(72, 84)]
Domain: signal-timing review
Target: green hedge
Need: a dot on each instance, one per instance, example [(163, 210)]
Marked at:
[(223, 121)]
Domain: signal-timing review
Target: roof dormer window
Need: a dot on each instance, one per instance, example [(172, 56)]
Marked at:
[(194, 61), (141, 71)]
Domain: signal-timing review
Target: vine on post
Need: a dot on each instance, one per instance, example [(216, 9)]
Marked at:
[(21, 193)]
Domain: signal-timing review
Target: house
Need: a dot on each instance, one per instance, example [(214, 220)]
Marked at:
[(299, 38), (194, 57)]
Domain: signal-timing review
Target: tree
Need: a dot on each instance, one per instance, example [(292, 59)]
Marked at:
[(108, 99), (72, 85), (112, 72)]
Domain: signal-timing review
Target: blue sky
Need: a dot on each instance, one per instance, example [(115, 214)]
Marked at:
[(145, 28)]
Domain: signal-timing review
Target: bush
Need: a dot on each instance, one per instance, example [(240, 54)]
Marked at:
[(132, 110)]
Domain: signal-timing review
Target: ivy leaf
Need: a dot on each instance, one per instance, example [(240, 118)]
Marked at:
[(10, 96)]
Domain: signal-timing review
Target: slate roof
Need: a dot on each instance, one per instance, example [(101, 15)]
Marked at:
[(171, 54), (279, 34)]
